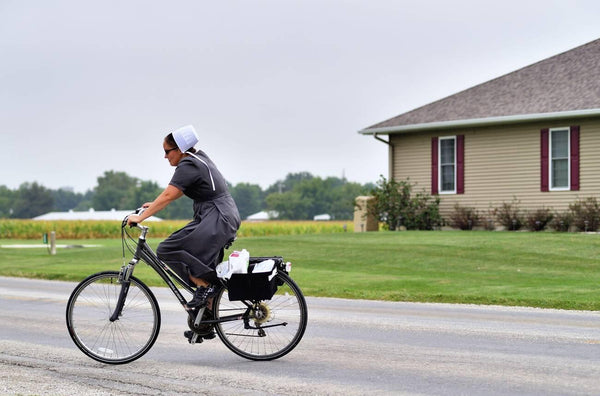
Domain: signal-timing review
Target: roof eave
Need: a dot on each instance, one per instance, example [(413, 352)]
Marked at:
[(480, 122)]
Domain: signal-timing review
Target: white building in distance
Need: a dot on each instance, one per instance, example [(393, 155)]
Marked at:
[(90, 215)]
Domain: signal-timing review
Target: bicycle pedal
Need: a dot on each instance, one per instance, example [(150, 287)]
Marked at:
[(190, 335)]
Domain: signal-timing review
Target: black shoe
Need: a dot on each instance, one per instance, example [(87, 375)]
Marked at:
[(208, 336), (201, 295)]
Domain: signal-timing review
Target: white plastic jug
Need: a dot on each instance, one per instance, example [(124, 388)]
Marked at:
[(238, 262)]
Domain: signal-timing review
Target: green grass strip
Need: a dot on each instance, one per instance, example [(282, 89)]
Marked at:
[(549, 270)]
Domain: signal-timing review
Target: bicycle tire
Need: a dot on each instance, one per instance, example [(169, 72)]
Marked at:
[(274, 340), (89, 308)]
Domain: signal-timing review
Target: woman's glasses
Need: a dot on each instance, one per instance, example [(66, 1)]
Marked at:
[(169, 150)]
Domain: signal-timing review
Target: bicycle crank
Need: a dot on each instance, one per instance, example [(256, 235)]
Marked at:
[(201, 328)]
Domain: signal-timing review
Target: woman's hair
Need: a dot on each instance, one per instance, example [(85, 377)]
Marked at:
[(171, 142)]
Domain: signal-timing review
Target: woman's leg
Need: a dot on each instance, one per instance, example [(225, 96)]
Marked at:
[(199, 281)]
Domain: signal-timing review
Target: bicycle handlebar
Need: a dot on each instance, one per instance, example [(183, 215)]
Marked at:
[(138, 211)]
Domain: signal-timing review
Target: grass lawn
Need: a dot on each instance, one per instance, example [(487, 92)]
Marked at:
[(558, 270)]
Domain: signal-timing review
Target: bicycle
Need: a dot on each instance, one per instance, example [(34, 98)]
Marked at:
[(114, 318)]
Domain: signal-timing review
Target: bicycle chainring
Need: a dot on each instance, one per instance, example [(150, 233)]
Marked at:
[(202, 329)]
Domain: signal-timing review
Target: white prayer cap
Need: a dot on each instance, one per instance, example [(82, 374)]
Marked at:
[(185, 137)]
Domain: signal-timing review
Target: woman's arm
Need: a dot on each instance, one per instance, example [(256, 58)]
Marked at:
[(170, 194)]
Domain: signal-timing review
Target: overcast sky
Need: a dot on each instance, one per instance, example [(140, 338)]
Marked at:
[(272, 87)]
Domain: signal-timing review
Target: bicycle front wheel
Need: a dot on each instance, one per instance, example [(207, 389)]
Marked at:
[(121, 341), (266, 329)]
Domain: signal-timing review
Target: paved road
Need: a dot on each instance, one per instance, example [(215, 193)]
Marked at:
[(350, 348)]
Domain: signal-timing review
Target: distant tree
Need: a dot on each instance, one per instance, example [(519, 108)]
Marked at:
[(288, 184), (65, 199), (343, 198), (114, 191), (310, 196), (7, 200), (32, 200), (298, 196), (140, 193), (289, 205), (249, 198), (87, 201), (120, 191)]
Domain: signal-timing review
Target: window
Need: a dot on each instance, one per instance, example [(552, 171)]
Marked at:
[(447, 165), (560, 159)]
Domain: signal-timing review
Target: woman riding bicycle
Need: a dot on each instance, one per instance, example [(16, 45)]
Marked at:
[(194, 250)]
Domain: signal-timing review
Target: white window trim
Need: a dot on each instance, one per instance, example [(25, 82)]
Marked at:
[(550, 176), (440, 165)]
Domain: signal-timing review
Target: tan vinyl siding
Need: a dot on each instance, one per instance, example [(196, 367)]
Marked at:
[(501, 163), (412, 154), (589, 153)]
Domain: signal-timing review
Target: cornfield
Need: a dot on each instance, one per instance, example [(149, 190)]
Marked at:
[(94, 229)]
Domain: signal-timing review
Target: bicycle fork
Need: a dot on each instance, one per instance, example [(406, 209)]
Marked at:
[(124, 276)]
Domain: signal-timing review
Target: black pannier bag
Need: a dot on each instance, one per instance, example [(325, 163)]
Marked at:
[(254, 286)]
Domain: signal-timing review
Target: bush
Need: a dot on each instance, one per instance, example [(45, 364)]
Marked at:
[(395, 206), (424, 213), (489, 220), (538, 219), (586, 214), (509, 215), (562, 221), (464, 218)]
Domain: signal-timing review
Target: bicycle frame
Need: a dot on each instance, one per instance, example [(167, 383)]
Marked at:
[(145, 253)]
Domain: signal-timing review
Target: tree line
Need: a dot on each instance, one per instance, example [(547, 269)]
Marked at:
[(298, 196)]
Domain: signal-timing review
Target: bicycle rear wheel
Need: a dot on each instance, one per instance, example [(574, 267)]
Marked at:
[(276, 325), (130, 336)]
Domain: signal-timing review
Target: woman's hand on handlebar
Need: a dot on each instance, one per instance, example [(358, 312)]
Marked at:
[(134, 219)]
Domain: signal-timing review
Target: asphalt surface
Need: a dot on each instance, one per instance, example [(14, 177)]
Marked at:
[(349, 348)]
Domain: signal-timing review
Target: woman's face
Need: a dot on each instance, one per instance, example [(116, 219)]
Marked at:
[(172, 153)]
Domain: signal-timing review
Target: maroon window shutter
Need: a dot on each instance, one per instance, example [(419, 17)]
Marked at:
[(460, 164), (575, 158), (434, 165), (544, 155)]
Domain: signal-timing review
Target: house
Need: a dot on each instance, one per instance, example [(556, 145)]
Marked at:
[(322, 217), (533, 135), (90, 215), (263, 216)]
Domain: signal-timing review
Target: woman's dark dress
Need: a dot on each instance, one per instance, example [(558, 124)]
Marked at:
[(195, 248)]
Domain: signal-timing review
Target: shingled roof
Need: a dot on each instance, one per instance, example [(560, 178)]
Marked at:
[(565, 83)]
